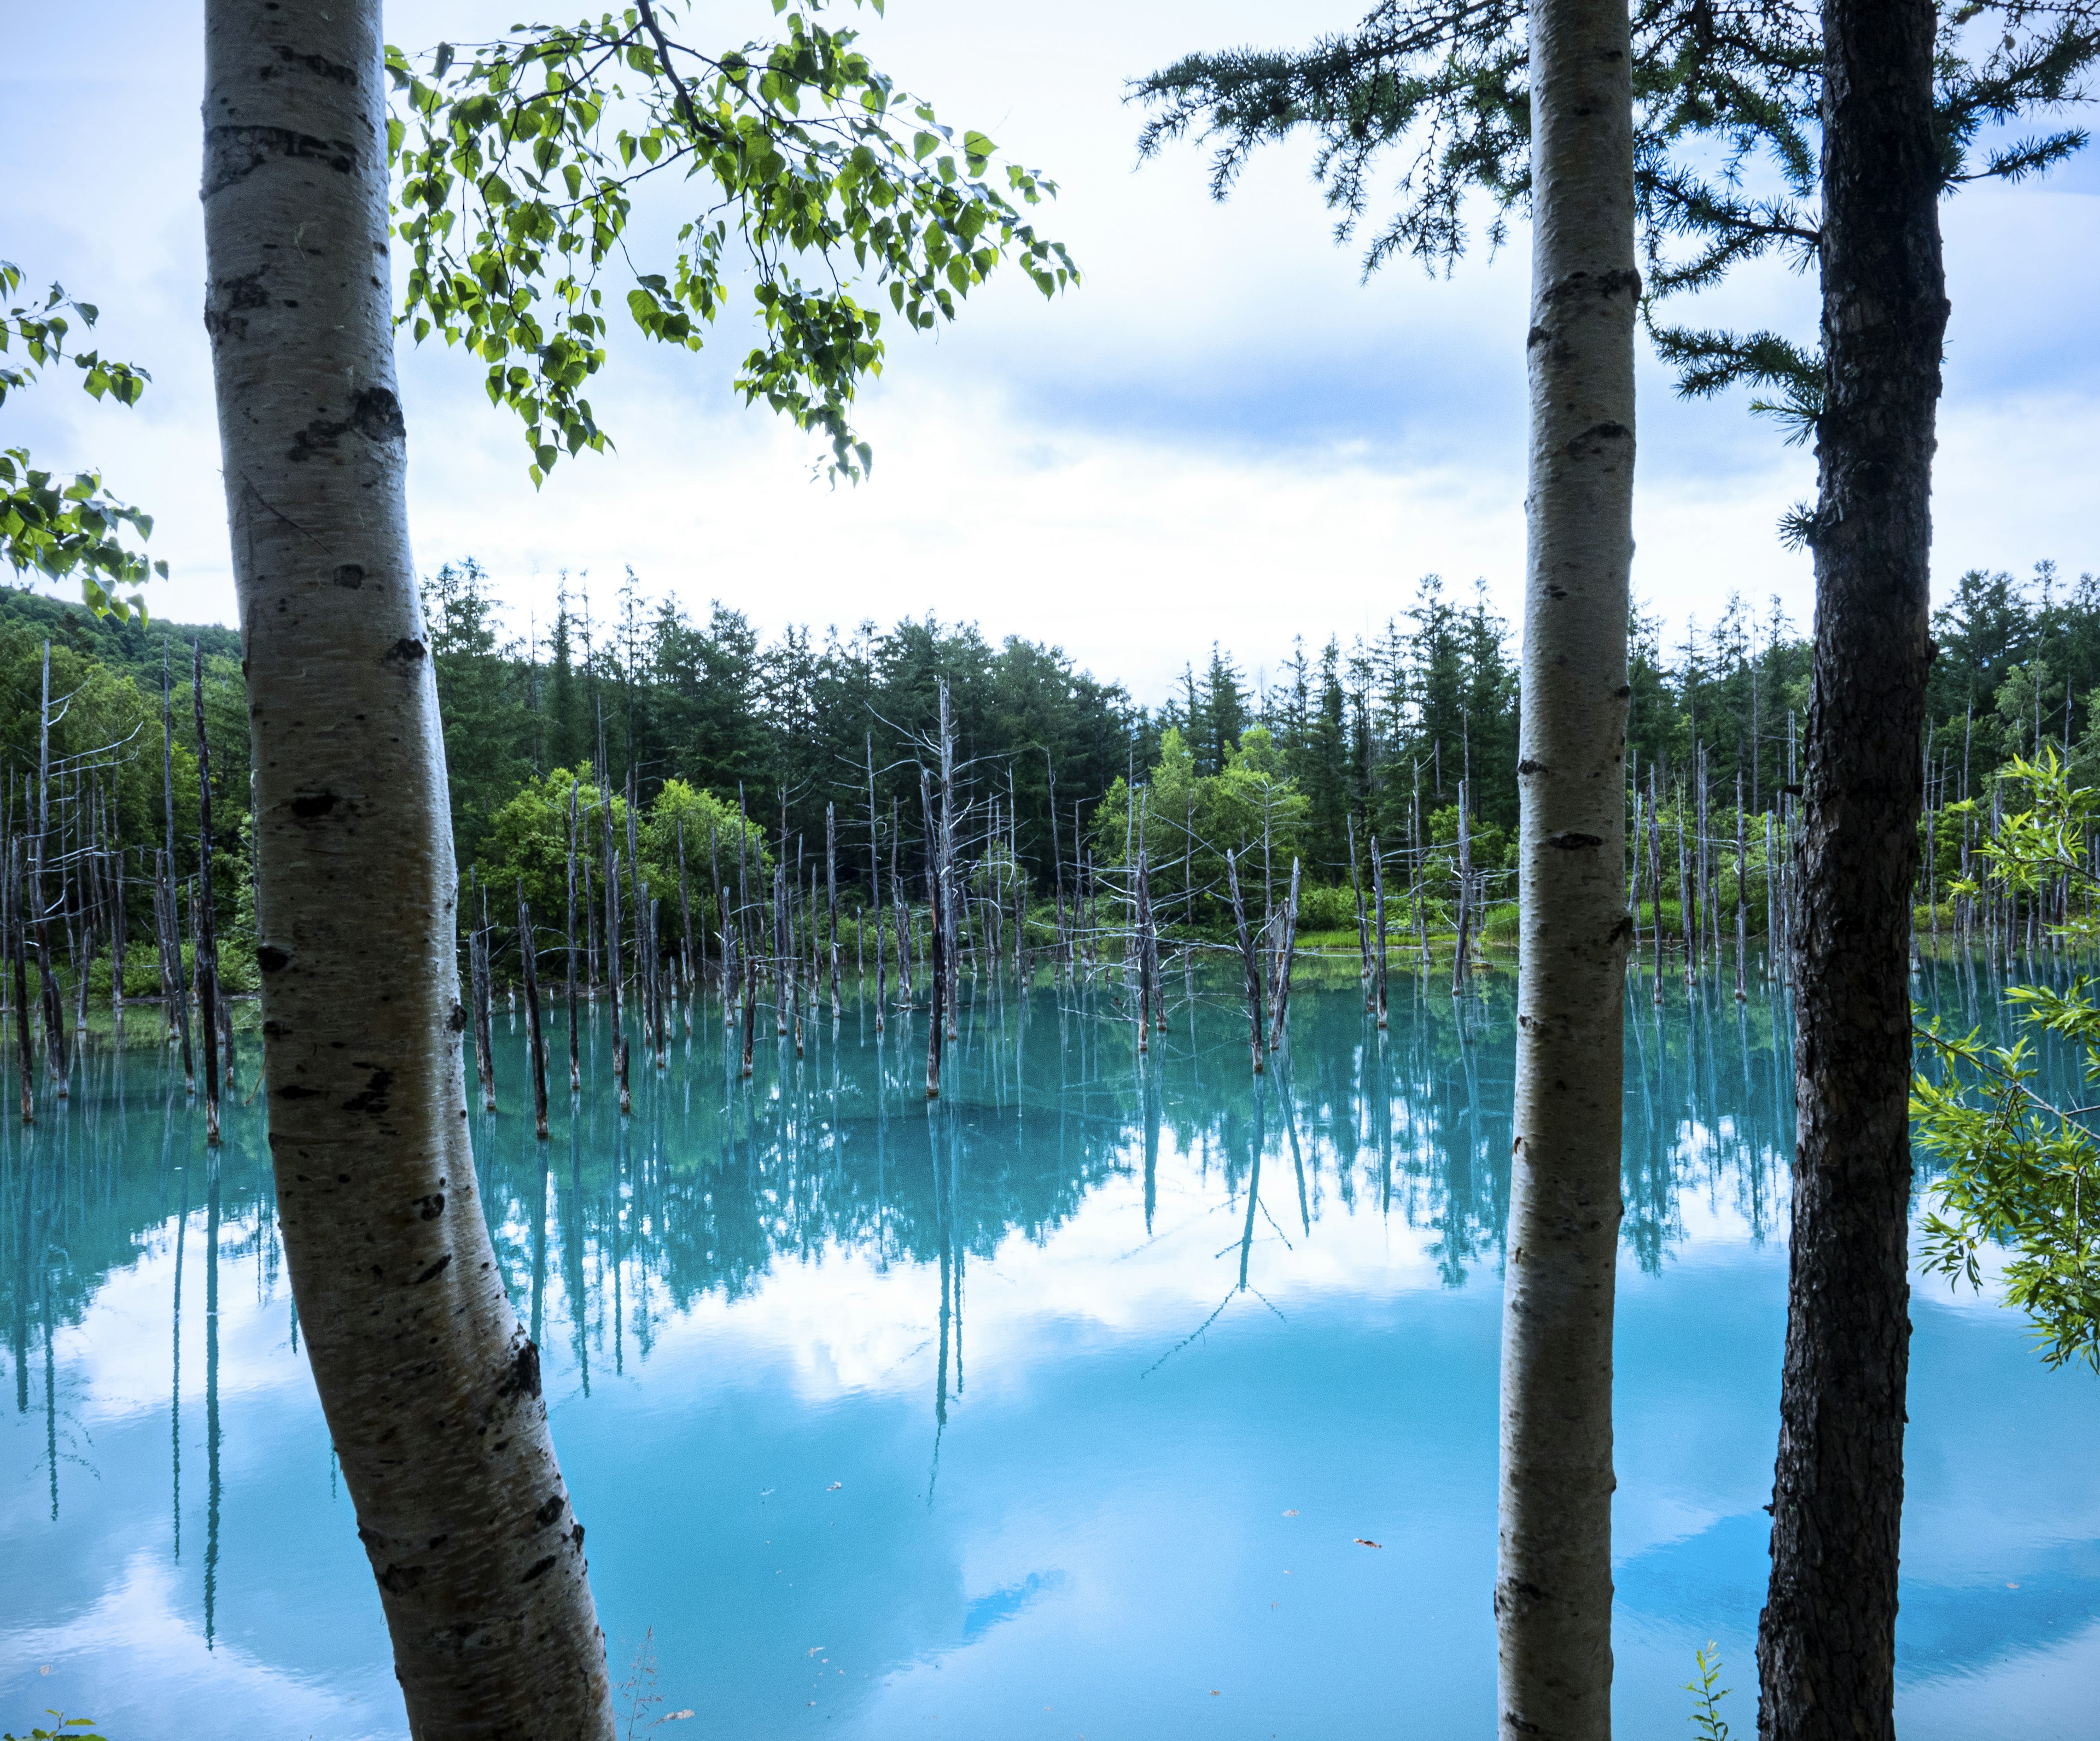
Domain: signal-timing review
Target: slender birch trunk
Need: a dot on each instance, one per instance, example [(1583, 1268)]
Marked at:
[(1553, 1584), (1826, 1640), (430, 1386)]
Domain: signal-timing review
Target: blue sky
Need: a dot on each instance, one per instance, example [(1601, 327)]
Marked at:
[(1224, 435)]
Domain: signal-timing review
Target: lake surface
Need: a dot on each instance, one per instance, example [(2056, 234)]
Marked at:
[(1067, 1407)]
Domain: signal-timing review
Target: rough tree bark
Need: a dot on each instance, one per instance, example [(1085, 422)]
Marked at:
[(1553, 1584), (1826, 1641), (431, 1386)]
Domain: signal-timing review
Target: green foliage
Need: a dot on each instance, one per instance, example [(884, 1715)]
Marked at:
[(1321, 909), (1706, 1696), (64, 1728), (519, 181), (527, 841), (2022, 1172), (54, 528)]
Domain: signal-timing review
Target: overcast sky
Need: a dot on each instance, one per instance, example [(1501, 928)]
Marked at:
[(1223, 435)]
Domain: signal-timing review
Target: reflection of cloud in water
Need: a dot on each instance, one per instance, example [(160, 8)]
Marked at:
[(772, 1290)]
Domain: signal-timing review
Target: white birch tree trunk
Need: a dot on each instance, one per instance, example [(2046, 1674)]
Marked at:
[(430, 1386), (1553, 1586)]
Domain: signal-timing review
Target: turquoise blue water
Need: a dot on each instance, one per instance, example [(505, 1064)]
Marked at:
[(1057, 1410)]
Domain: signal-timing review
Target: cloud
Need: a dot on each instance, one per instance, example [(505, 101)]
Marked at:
[(1224, 434)]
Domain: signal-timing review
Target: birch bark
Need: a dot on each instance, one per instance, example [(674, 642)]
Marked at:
[(431, 1386), (1553, 1586)]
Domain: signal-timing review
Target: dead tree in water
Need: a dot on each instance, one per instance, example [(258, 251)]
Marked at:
[(1459, 959), (40, 903), (1248, 960), (947, 920), (1064, 955), (1289, 955), (174, 984), (118, 936), (1742, 877), (17, 952), (529, 951), (207, 930), (1363, 927), (937, 944), (1141, 929), (569, 936), (612, 929), (686, 924), (832, 895), (875, 889), (478, 989), (1378, 895), (645, 1013)]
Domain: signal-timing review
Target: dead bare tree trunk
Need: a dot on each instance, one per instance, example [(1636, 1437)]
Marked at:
[(207, 927), (1287, 956), (937, 945), (875, 887), (831, 896), (1377, 893), (431, 1386), (1248, 960), (17, 954), (569, 938), (528, 951)]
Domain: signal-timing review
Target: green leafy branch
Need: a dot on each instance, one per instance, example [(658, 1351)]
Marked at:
[(38, 331), (2024, 1172), (64, 1728), (63, 529), (519, 162), (1706, 1696)]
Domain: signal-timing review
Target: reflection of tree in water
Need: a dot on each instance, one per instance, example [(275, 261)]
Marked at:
[(714, 1181)]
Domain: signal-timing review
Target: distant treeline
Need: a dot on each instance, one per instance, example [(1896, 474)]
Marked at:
[(1377, 732), (1373, 735)]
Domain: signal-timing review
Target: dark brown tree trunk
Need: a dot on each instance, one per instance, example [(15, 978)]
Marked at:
[(1826, 1640)]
